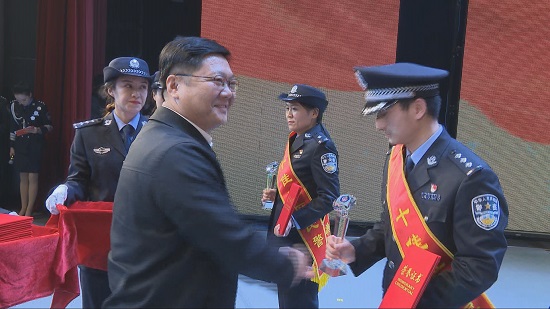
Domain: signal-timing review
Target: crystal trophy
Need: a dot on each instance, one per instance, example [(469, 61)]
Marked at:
[(342, 205), (271, 171)]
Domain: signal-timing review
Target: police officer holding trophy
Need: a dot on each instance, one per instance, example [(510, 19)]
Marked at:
[(437, 194), (311, 161)]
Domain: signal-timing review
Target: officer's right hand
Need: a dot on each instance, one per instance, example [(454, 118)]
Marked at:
[(58, 196), (340, 249), (268, 195)]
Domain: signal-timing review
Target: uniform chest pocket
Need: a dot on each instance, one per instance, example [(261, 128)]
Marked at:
[(438, 220), (436, 214)]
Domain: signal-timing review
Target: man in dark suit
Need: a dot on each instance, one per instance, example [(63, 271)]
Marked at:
[(98, 150), (176, 239), (437, 194)]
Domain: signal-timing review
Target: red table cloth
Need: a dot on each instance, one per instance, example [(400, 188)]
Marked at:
[(47, 262), (84, 228), (32, 268)]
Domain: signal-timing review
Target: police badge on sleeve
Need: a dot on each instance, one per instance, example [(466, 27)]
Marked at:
[(486, 211), (329, 162)]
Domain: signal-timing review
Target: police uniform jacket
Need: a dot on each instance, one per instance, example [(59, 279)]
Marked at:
[(35, 114), (97, 153), (314, 160), (447, 184), (187, 243)]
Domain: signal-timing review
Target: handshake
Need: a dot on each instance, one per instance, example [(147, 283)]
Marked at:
[(301, 261), (58, 196)]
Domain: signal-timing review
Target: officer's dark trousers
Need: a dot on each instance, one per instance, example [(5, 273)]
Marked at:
[(95, 287), (303, 295)]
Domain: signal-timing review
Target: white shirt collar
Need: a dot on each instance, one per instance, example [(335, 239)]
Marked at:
[(419, 153), (134, 122)]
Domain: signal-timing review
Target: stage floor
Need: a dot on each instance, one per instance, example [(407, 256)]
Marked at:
[(523, 283)]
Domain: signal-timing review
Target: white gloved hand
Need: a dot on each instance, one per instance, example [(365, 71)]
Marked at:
[(58, 196)]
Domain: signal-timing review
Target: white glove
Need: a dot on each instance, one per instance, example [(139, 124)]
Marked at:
[(58, 196)]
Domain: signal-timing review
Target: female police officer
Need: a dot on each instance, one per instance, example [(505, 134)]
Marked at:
[(98, 151), (311, 161)]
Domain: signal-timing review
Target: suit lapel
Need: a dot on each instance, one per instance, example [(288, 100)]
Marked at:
[(297, 143)]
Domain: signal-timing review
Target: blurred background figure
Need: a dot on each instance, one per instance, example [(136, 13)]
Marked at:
[(30, 121), (157, 90)]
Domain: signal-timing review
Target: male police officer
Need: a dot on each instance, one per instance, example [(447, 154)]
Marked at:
[(447, 201)]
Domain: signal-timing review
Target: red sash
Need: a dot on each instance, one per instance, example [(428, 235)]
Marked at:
[(408, 225), (314, 236)]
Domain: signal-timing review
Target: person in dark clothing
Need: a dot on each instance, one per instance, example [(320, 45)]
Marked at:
[(30, 121), (437, 194), (98, 150), (311, 161), (176, 239)]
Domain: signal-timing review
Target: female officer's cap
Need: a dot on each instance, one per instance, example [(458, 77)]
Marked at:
[(126, 66), (307, 95)]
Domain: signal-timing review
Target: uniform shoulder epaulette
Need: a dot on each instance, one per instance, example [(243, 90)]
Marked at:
[(467, 162), (321, 137), (87, 123)]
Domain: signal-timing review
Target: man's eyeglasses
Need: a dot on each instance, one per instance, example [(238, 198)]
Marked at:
[(218, 80)]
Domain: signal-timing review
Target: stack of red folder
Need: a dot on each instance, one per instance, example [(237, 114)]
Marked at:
[(14, 227)]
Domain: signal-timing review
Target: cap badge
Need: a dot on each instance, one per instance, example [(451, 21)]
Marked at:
[(294, 89), (134, 64)]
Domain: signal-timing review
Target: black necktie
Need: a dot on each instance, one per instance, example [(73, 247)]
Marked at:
[(409, 165), (127, 132)]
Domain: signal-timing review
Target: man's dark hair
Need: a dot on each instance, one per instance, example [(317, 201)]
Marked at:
[(186, 54), (21, 88), (433, 105)]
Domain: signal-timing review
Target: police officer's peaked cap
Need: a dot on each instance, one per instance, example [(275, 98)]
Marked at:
[(156, 83), (307, 95), (126, 66), (399, 81)]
